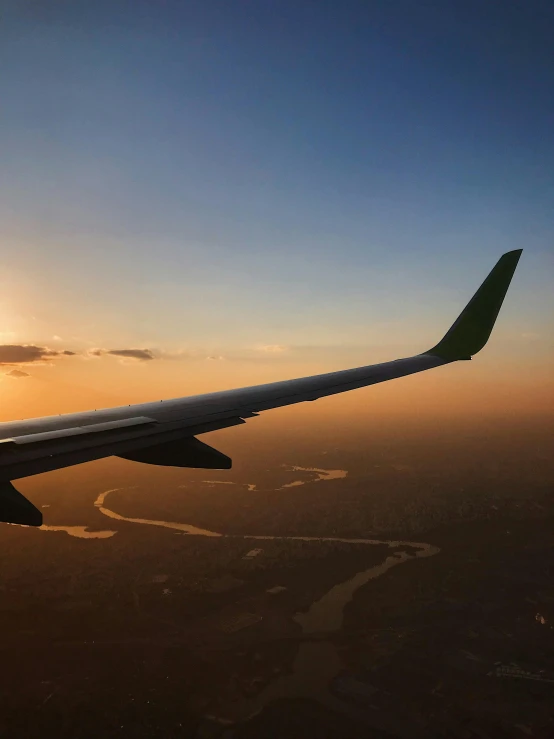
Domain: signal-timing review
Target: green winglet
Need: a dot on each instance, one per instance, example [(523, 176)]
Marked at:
[(471, 330)]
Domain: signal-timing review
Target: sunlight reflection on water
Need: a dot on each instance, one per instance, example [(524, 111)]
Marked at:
[(80, 532)]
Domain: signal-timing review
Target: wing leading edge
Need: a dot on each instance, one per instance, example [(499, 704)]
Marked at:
[(163, 432)]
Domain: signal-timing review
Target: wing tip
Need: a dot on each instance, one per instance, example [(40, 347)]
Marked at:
[(473, 327)]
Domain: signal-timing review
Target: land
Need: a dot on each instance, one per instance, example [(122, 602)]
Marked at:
[(152, 632)]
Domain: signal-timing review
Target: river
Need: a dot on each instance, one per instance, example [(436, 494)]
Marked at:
[(317, 662)]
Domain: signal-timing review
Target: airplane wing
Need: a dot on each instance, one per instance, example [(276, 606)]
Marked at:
[(164, 432)]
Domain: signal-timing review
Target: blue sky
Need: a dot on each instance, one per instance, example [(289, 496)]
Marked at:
[(230, 174)]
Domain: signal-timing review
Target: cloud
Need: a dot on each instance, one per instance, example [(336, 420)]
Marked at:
[(215, 358), (17, 374), (273, 348), (179, 355), (28, 353), (139, 354)]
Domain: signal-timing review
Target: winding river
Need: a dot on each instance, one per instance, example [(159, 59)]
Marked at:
[(317, 662)]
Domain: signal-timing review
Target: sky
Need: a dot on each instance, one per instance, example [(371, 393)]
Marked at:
[(203, 195)]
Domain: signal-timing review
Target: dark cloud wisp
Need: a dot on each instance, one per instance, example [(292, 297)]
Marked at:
[(29, 353), (140, 354), (17, 374)]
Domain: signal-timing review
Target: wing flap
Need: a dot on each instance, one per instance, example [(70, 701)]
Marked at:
[(26, 460), (95, 428), (188, 452)]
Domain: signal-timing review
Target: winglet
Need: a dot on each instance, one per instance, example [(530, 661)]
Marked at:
[(471, 330)]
